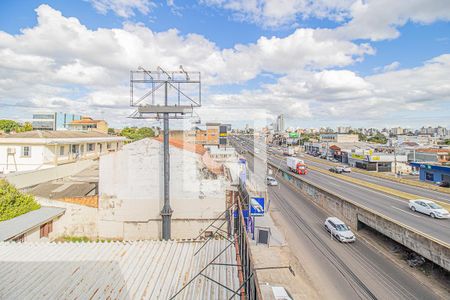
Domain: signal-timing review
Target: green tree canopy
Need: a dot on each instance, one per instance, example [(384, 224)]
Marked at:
[(135, 134), (13, 203), (378, 138), (8, 125)]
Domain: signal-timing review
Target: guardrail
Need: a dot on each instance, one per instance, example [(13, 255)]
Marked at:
[(433, 249)]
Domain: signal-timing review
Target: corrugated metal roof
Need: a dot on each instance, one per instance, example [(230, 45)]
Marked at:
[(116, 270), (23, 223)]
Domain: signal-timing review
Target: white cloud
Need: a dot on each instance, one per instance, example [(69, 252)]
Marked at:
[(343, 95), (276, 13), (60, 58), (61, 64), (122, 8), (379, 19), (390, 67), (359, 19)]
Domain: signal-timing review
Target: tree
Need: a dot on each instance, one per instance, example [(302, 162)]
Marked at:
[(8, 125), (111, 131), (135, 134), (378, 138), (362, 137), (13, 203), (27, 126)]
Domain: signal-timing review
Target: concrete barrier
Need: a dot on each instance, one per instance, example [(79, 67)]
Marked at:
[(357, 215), (28, 179)]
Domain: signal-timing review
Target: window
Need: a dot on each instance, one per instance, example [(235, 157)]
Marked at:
[(61, 150), (90, 147), (46, 229), (108, 146), (26, 151), (429, 176)]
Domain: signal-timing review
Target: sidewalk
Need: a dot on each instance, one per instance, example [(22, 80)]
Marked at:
[(271, 263)]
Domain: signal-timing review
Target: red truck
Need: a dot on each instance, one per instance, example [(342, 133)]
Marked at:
[(296, 165)]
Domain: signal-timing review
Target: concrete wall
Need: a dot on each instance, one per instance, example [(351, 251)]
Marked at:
[(27, 179), (131, 192), (16, 162), (78, 220), (354, 214)]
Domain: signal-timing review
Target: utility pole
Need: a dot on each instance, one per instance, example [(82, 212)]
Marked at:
[(181, 106), (395, 160)]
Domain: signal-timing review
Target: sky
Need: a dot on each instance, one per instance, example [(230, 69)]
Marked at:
[(371, 63)]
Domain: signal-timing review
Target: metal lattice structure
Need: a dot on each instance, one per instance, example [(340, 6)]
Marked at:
[(165, 95)]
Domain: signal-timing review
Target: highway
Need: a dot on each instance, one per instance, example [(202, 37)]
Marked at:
[(341, 271), (421, 192), (387, 205)]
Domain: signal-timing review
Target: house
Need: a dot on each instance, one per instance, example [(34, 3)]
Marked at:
[(32, 226), (131, 190), (88, 124), (34, 150)]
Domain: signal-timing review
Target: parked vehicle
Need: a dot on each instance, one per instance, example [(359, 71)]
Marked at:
[(346, 169), (337, 170), (443, 184), (339, 230), (271, 181), (428, 207), (289, 151), (297, 165), (414, 173)]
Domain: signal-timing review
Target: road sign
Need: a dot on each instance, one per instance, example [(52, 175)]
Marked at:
[(244, 213), (257, 206)]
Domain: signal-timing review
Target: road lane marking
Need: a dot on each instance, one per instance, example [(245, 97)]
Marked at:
[(406, 212)]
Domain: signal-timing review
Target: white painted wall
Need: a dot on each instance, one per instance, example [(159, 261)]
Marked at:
[(78, 220), (47, 156), (16, 162), (131, 192)]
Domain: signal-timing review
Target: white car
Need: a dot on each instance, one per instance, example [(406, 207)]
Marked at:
[(271, 181), (346, 169), (428, 207), (339, 230)]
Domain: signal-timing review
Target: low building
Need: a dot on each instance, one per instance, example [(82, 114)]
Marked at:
[(432, 172), (339, 138), (52, 120), (34, 150), (378, 161), (33, 226), (437, 155), (131, 190), (88, 124)]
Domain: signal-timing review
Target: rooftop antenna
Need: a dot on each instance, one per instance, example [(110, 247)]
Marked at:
[(166, 108)]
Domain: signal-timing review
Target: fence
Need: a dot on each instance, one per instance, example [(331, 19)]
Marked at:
[(251, 288)]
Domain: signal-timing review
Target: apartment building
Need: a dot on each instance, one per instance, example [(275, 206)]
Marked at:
[(34, 150), (88, 124)]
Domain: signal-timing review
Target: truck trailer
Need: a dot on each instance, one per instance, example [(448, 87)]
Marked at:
[(296, 165)]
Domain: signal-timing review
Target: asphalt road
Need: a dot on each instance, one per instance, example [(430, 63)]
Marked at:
[(341, 271), (390, 206), (421, 192)]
